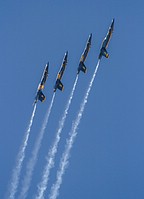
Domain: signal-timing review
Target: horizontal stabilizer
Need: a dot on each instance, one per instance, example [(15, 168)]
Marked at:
[(82, 67), (60, 86), (41, 96), (104, 53)]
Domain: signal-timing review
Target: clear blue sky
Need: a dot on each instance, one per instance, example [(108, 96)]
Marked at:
[(107, 160)]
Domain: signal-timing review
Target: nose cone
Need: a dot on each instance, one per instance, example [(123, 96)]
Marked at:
[(47, 67), (90, 37), (66, 55), (112, 24)]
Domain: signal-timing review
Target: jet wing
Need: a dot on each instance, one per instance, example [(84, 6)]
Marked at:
[(61, 72)]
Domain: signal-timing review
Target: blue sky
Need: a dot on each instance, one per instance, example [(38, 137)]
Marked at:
[(107, 157)]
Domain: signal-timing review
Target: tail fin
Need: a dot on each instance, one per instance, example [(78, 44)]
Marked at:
[(60, 86), (104, 52), (82, 67), (41, 96)]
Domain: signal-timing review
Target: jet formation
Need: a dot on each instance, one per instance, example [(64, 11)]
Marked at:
[(81, 67), (103, 51)]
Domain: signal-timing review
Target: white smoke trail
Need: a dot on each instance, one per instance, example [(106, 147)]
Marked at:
[(32, 161), (53, 150), (73, 133), (20, 158)]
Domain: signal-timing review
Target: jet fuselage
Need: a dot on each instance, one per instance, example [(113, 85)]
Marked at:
[(39, 95), (103, 51), (58, 83), (82, 66)]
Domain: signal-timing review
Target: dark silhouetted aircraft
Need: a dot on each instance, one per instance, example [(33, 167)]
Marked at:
[(103, 51), (82, 66), (39, 95), (58, 83)]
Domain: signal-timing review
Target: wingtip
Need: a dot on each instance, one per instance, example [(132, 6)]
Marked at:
[(44, 99)]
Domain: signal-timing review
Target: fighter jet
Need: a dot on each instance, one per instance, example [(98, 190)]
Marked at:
[(39, 95), (103, 51), (82, 66), (58, 83)]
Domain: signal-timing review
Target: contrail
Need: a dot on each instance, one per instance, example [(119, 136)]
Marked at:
[(53, 150), (20, 158), (32, 161), (73, 133)]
